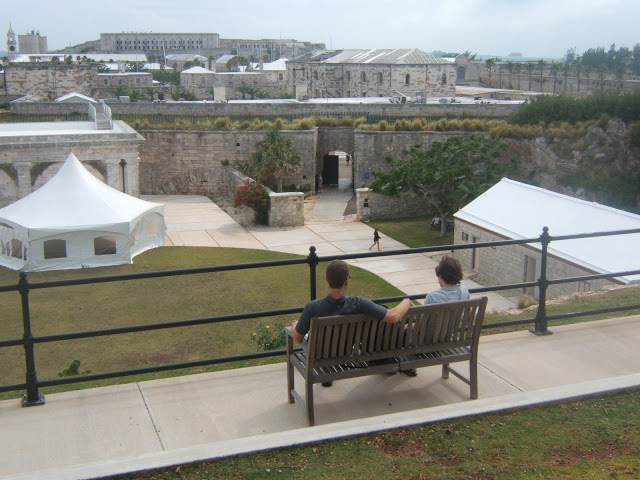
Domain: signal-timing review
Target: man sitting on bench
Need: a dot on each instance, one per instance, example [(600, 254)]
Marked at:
[(337, 303)]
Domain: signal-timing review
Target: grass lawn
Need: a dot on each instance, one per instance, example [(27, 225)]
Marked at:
[(413, 232), (590, 439)]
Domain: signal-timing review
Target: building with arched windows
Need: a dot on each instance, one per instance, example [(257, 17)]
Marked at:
[(370, 73)]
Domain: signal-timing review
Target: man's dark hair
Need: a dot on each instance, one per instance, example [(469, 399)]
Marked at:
[(337, 273), (450, 270)]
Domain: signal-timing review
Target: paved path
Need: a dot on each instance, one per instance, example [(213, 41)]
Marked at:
[(196, 221)]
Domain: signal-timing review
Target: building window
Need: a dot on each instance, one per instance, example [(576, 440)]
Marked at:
[(444, 79), (348, 76), (138, 81), (104, 245), (465, 237), (106, 82), (363, 77), (407, 79), (380, 77), (55, 249), (255, 81)]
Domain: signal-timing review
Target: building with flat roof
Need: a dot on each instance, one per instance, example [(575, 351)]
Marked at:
[(33, 152), (159, 42)]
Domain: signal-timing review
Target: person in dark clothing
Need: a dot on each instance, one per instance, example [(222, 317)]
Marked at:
[(337, 303), (376, 240)]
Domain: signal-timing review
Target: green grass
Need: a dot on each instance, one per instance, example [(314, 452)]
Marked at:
[(591, 439), (138, 302), (413, 232)]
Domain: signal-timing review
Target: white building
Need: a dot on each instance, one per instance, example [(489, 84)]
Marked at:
[(514, 210)]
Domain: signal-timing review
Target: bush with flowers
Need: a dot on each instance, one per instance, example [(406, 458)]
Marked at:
[(255, 196), (269, 338)]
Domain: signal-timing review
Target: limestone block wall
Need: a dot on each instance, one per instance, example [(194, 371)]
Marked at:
[(373, 206), (504, 265), (371, 148), (48, 81), (287, 209), (194, 162)]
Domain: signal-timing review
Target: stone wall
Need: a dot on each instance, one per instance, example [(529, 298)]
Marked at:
[(286, 209), (47, 81), (194, 162), (374, 206), (505, 265)]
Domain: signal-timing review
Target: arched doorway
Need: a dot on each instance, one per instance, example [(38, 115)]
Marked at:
[(337, 171)]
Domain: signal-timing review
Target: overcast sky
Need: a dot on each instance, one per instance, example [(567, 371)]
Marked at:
[(535, 28)]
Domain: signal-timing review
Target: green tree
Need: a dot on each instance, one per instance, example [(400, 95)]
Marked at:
[(275, 157), (490, 62), (150, 92), (447, 175)]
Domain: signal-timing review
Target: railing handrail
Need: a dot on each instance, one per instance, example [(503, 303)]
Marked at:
[(34, 397)]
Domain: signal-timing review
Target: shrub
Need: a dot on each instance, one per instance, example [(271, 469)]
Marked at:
[(269, 338), (634, 135), (254, 195), (223, 123)]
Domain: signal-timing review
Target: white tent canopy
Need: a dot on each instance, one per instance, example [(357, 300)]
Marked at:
[(77, 221)]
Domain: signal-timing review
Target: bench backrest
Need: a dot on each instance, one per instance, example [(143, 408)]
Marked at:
[(425, 328)]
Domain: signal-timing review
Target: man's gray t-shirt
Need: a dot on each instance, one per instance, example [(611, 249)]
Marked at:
[(447, 294), (327, 306)]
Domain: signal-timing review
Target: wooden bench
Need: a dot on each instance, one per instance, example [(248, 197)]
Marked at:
[(347, 346)]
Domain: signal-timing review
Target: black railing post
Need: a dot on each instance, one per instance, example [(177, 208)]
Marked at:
[(312, 259), (32, 397), (540, 327)]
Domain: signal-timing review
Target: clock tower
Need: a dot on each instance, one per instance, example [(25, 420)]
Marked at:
[(12, 44)]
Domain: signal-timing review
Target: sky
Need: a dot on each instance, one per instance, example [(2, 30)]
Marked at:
[(534, 28)]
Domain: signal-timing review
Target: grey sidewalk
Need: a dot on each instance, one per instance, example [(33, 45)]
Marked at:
[(111, 430)]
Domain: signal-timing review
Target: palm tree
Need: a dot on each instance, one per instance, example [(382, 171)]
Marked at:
[(530, 68), (555, 69), (243, 89), (275, 156), (150, 91), (489, 62), (518, 70), (510, 68), (541, 65)]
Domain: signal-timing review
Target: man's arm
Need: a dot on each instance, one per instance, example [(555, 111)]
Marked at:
[(396, 313), (294, 333)]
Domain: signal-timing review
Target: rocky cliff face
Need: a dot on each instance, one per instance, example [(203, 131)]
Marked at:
[(588, 168)]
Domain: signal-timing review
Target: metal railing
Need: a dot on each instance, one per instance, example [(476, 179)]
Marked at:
[(28, 341)]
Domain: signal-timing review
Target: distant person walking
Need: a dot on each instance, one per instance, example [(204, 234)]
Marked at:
[(376, 240)]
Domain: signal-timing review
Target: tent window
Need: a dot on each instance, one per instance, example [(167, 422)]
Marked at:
[(16, 249), (152, 228), (55, 249), (104, 245)]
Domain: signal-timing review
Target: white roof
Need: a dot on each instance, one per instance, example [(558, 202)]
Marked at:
[(197, 70), (75, 96), (516, 210), (77, 207)]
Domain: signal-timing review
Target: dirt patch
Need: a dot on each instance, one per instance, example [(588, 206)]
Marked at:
[(575, 455)]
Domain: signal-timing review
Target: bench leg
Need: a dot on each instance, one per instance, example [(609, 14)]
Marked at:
[(473, 378), (309, 398), (445, 371), (290, 380)]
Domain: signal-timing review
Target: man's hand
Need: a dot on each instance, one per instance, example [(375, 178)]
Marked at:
[(294, 333)]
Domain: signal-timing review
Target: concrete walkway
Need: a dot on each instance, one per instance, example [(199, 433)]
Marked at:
[(107, 431)]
